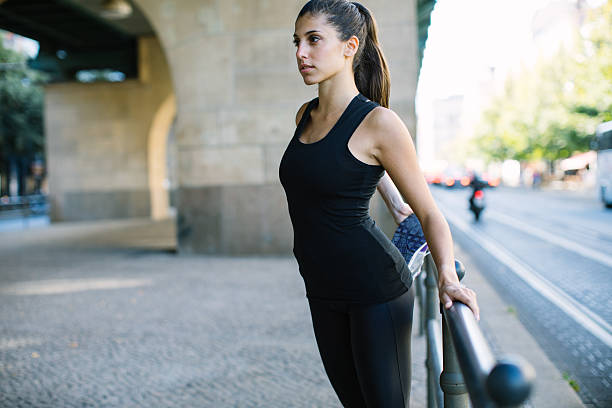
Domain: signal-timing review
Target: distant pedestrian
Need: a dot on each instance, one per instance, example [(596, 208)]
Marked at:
[(345, 140), (537, 179)]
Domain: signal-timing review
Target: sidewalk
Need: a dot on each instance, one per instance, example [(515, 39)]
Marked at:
[(105, 314)]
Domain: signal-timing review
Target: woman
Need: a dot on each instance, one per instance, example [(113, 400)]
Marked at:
[(345, 140)]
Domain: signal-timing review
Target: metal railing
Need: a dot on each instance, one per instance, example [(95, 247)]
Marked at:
[(23, 205), (23, 209), (460, 364)]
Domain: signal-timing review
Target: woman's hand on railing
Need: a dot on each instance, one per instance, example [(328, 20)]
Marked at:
[(450, 291)]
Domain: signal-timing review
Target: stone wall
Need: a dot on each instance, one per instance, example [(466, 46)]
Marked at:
[(237, 91), (97, 138)]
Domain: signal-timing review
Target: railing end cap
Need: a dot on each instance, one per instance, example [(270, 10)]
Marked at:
[(510, 381)]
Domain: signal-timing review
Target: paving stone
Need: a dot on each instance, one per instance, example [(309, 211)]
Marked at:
[(206, 331)]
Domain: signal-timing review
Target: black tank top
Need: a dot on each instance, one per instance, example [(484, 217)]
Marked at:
[(341, 252)]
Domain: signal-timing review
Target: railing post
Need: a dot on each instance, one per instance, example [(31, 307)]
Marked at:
[(421, 299), (27, 211), (431, 302), (431, 289), (451, 380), (508, 382)]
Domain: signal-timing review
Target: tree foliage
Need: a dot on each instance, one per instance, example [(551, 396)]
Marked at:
[(551, 110), (21, 107)]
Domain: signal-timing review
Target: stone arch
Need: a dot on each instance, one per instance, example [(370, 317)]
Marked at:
[(156, 157), (97, 139)]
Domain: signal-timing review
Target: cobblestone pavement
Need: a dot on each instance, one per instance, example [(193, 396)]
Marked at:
[(106, 315)]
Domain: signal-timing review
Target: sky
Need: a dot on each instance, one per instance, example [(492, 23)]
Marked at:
[(469, 35)]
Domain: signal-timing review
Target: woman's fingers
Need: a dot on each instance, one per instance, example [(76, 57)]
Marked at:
[(465, 295), (446, 300)]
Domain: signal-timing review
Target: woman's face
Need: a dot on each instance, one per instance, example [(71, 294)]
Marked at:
[(319, 53)]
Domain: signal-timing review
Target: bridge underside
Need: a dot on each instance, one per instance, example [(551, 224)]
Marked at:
[(73, 36)]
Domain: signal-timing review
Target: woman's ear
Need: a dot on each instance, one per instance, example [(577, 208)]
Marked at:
[(351, 46)]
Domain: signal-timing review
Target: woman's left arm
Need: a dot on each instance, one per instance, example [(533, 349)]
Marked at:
[(394, 149)]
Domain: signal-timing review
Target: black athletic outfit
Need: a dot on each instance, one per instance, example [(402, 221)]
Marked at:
[(361, 310)]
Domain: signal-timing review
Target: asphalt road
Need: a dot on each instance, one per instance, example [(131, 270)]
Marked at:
[(550, 255)]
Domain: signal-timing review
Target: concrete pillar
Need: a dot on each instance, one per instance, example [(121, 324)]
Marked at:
[(237, 91)]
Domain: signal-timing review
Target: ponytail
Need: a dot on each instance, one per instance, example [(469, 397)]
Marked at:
[(369, 65)]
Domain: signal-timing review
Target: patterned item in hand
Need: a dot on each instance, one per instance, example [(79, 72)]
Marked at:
[(409, 237)]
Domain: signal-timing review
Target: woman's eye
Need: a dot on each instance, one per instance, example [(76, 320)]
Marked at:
[(313, 39)]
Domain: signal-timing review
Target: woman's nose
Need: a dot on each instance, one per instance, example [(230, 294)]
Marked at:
[(300, 52)]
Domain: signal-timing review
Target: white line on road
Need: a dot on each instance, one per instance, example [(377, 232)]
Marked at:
[(583, 316), (554, 239)]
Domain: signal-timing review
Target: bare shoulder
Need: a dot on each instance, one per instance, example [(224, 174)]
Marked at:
[(300, 112), (386, 126)]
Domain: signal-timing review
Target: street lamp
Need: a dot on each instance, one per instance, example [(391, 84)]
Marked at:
[(115, 9)]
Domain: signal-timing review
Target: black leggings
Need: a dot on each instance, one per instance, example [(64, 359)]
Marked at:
[(366, 350)]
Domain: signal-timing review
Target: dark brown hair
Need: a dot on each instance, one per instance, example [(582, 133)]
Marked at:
[(369, 65)]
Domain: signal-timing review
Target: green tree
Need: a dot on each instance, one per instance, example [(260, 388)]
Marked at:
[(594, 88), (551, 111), (21, 115)]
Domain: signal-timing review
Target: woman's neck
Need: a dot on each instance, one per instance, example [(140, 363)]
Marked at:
[(335, 93)]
